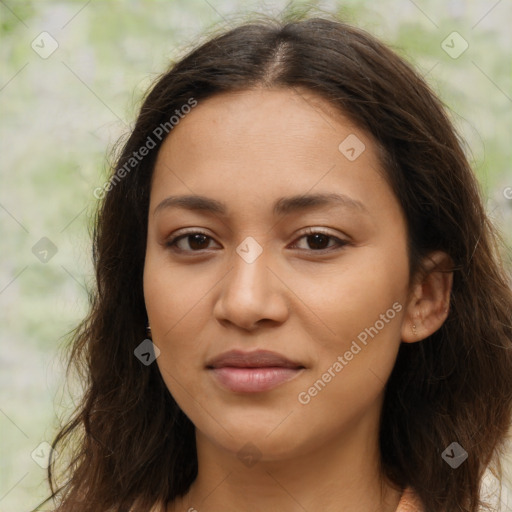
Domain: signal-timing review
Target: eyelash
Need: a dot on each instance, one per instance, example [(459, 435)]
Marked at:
[(171, 243)]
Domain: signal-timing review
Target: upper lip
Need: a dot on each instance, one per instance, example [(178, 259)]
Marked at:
[(254, 359)]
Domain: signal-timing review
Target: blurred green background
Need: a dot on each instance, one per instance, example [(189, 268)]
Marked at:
[(63, 107)]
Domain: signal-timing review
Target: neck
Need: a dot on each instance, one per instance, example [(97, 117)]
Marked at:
[(341, 474)]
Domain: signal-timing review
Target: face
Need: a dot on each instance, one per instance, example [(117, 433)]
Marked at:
[(278, 315)]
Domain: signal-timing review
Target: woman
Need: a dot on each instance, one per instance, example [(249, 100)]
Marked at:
[(300, 303)]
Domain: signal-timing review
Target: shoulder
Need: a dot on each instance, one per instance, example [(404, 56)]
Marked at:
[(492, 492), (495, 493)]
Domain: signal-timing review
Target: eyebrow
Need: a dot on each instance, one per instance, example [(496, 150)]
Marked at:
[(283, 206)]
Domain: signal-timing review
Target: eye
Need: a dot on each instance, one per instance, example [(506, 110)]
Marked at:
[(196, 241), (319, 241)]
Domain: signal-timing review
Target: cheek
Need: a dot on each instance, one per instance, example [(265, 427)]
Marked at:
[(174, 296), (177, 310), (361, 308), (353, 365), (352, 297)]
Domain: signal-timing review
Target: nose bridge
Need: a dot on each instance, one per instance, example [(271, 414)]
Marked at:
[(249, 278), (250, 292)]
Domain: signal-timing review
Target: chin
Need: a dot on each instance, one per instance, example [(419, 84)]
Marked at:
[(267, 442)]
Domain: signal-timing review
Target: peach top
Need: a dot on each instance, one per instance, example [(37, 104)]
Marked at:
[(409, 502)]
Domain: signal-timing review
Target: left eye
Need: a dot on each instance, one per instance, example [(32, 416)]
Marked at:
[(197, 241), (317, 241)]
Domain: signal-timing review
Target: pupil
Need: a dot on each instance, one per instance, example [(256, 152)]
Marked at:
[(318, 239), (200, 239)]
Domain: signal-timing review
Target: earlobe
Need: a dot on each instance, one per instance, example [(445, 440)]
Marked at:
[(428, 305)]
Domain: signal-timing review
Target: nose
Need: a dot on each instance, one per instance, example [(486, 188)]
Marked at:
[(251, 294)]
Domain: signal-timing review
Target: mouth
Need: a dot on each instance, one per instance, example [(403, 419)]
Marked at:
[(252, 372)]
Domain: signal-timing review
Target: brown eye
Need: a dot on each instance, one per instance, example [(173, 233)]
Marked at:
[(319, 241), (195, 241)]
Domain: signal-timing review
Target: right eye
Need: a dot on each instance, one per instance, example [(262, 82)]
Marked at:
[(196, 241)]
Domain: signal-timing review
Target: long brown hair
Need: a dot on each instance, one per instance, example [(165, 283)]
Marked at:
[(130, 444)]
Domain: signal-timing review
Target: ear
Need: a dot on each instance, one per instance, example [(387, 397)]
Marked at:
[(429, 298)]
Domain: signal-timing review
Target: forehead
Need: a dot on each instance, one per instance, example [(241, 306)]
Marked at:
[(267, 117), (258, 145)]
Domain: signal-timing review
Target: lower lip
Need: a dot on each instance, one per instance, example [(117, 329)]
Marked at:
[(253, 380)]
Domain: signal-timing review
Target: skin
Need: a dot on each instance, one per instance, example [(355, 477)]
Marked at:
[(248, 149)]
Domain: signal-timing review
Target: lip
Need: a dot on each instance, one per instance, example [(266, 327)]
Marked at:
[(252, 372)]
